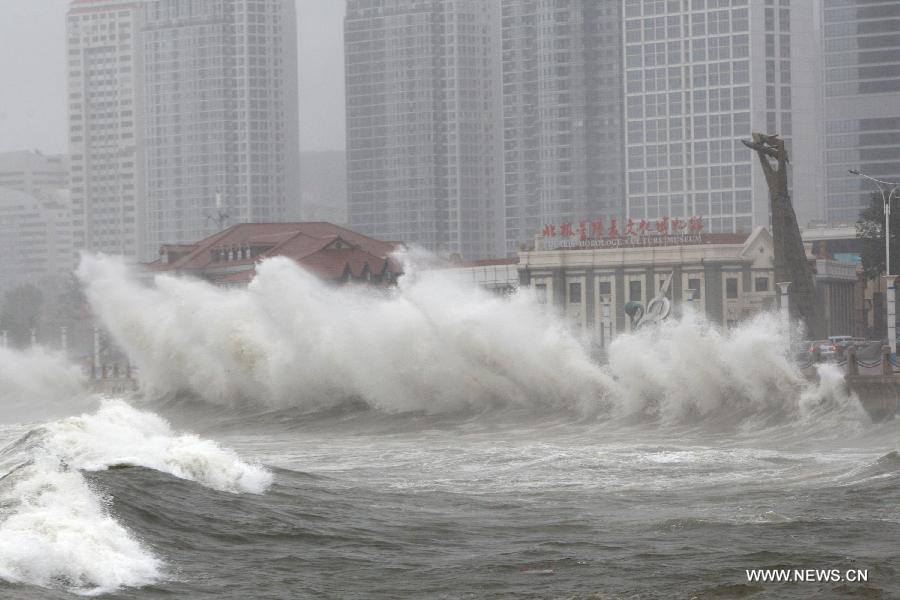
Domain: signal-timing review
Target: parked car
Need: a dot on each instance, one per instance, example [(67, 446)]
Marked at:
[(823, 350)]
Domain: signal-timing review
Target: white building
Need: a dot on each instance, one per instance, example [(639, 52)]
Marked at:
[(862, 101), (699, 75), (220, 98), (104, 82), (562, 113), (35, 237), (731, 277), (424, 132), (32, 171)]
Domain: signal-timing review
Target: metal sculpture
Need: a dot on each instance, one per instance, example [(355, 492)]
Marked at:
[(790, 256), (658, 308)]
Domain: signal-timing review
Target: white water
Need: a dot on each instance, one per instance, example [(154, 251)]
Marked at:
[(437, 345), (432, 344), (36, 383), (55, 529), (56, 532)]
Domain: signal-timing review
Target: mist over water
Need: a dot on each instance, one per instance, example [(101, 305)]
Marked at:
[(36, 383), (292, 340), (434, 345), (430, 440)]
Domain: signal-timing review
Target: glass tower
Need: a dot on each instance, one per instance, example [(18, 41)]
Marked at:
[(862, 101)]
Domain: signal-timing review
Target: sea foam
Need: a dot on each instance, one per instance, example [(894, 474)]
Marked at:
[(56, 531)]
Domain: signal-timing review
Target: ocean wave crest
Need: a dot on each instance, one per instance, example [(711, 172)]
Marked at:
[(56, 531)]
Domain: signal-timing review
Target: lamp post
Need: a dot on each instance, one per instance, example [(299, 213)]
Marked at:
[(784, 289), (887, 189)]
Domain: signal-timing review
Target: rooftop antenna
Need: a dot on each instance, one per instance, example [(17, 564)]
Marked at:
[(221, 216)]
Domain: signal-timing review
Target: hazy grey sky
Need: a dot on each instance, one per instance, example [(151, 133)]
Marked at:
[(33, 74)]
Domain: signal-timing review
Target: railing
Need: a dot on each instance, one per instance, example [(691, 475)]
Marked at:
[(833, 269), (111, 378), (875, 364)]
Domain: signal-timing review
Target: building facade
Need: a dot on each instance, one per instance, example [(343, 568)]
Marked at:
[(862, 101), (729, 277), (220, 88), (562, 113), (699, 75), (424, 159), (105, 109), (32, 171), (36, 244)]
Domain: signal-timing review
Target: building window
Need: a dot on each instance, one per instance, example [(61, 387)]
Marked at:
[(540, 290), (731, 288), (694, 284), (605, 288), (574, 293), (761, 284), (634, 291)]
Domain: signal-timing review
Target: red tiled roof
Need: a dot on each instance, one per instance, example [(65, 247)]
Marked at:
[(312, 245)]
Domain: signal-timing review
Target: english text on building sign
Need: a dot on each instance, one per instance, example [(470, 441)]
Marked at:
[(680, 239)]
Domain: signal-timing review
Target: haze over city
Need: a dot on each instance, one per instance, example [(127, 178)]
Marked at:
[(33, 68), (440, 299)]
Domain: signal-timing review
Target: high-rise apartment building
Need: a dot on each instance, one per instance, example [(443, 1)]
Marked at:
[(699, 75), (32, 171), (424, 133), (35, 236), (104, 85), (35, 218), (562, 113), (862, 101), (220, 85)]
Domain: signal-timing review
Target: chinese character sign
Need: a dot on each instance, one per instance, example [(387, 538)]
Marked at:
[(601, 229)]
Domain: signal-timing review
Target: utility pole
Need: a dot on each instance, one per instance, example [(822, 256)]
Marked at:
[(887, 189)]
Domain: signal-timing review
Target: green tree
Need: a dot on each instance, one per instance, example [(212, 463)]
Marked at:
[(870, 232)]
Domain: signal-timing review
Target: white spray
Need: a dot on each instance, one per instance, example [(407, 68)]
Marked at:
[(431, 344), (36, 383), (292, 340)]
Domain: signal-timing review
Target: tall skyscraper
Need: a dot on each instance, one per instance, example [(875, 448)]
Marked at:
[(32, 171), (220, 84), (424, 153), (35, 218), (699, 74), (862, 100), (104, 81), (562, 111), (35, 236)]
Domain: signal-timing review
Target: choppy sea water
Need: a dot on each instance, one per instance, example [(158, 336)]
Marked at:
[(360, 506), (461, 446)]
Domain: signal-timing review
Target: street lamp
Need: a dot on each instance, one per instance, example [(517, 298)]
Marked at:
[(887, 189)]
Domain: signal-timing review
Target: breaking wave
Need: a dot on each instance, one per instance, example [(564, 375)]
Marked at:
[(435, 345), (56, 530)]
